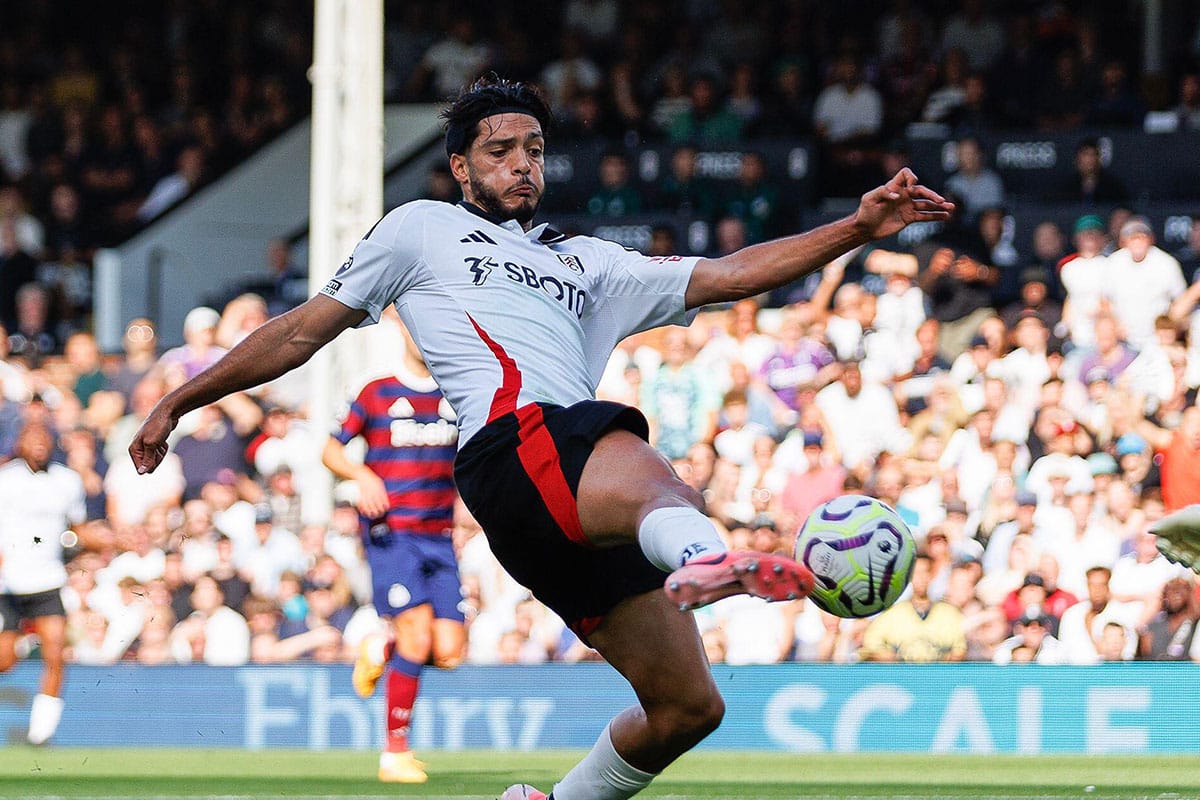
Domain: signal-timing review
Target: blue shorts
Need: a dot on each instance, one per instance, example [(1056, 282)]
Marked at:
[(411, 569)]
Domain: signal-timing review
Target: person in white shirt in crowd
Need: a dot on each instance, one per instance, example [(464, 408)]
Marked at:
[(41, 510), (131, 496), (1086, 543), (849, 108), (974, 183), (752, 630), (273, 552), (1082, 626), (1144, 280), (862, 416), (900, 310), (1033, 630), (1084, 277), (842, 327), (1139, 576), (1026, 368), (996, 555), (743, 343), (213, 633), (1060, 433), (736, 442)]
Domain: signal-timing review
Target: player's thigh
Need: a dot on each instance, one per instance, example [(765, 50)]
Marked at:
[(624, 478), (412, 629), (659, 651)]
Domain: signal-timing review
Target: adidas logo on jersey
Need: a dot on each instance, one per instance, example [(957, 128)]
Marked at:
[(477, 236), (410, 433)]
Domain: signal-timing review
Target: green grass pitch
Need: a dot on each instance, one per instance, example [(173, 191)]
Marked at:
[(234, 774)]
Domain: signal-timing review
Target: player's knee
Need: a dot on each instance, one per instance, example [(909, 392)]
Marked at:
[(7, 661), (447, 661), (692, 718)]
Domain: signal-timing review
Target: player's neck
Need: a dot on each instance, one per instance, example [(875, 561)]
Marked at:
[(490, 216)]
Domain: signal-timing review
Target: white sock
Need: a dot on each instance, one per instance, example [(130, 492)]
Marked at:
[(602, 775), (43, 718), (671, 537)]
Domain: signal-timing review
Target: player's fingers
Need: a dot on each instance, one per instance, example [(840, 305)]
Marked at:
[(919, 192)]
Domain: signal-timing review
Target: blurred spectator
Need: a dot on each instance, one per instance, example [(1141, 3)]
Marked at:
[(683, 190), (944, 102), (451, 62), (169, 190), (213, 632), (17, 268), (754, 199), (958, 281), (1178, 452), (679, 401), (917, 629), (974, 183), (1083, 625), (616, 197), (862, 416), (848, 119), (32, 334), (1034, 631), (706, 121), (597, 19), (1187, 111), (285, 285), (571, 72), (1116, 103), (1034, 299), (1143, 280), (1064, 99), (1084, 276), (976, 33), (1092, 184), (199, 350), (1171, 634)]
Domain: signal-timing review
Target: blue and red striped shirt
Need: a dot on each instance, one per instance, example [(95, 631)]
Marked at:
[(411, 439)]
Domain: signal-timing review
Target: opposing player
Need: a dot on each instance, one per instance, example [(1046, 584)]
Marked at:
[(406, 501), (516, 323), (40, 504)]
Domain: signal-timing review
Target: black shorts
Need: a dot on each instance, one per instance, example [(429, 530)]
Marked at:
[(16, 607), (519, 475)]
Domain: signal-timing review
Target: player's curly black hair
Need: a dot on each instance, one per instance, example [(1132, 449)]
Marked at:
[(490, 95)]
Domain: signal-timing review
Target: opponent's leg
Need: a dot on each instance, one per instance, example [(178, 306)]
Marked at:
[(628, 489), (47, 707), (659, 652), (412, 643)]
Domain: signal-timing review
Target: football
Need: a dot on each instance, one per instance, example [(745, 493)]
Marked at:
[(859, 551)]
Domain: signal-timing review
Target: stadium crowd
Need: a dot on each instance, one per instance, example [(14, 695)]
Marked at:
[(1028, 413)]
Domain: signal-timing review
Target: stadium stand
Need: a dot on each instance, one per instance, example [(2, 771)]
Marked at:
[(1029, 435)]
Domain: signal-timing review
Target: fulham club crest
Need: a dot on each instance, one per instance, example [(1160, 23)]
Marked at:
[(573, 263)]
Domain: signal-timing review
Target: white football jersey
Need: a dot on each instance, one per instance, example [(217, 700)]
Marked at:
[(35, 509), (506, 317)]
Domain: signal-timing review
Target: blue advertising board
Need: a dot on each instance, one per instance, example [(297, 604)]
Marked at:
[(969, 708)]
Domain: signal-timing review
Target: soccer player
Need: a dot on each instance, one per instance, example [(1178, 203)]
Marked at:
[(406, 502), (40, 504), (516, 323)]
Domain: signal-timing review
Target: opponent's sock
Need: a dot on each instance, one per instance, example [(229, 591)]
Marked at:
[(43, 718), (402, 679), (671, 537), (602, 775)]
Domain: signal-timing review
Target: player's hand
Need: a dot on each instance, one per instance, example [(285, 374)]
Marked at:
[(899, 203), (149, 445), (372, 494)]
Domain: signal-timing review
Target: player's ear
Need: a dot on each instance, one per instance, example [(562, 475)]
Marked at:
[(458, 167)]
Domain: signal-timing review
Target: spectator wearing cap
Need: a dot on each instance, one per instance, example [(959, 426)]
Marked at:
[(819, 481), (1082, 625), (1084, 276), (1034, 630), (1030, 595), (1138, 469), (977, 185), (1144, 280), (272, 552), (1034, 299), (199, 350)]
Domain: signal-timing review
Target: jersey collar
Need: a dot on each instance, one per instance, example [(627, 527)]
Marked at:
[(543, 234)]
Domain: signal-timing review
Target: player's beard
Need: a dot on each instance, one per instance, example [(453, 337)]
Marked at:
[(490, 202)]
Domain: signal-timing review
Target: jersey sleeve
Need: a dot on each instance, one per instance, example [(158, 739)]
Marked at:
[(354, 421), (384, 264), (644, 292)]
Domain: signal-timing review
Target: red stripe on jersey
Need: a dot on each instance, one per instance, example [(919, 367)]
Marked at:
[(537, 451), (505, 399)]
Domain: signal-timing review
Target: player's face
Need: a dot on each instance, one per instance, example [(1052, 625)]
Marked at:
[(502, 172), (35, 445)]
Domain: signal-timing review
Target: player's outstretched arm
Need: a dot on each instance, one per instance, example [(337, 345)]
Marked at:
[(762, 267), (282, 344)]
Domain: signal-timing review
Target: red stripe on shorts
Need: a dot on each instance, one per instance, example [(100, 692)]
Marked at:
[(537, 451)]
